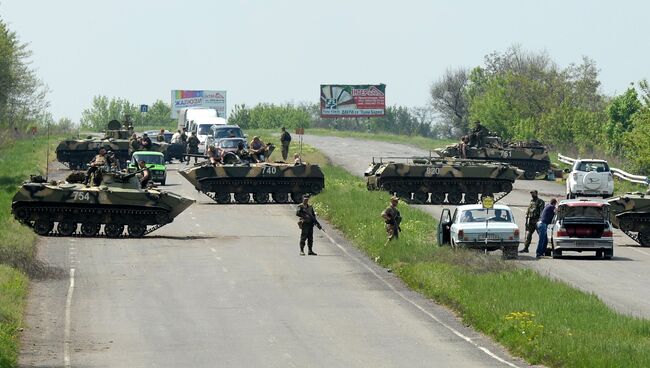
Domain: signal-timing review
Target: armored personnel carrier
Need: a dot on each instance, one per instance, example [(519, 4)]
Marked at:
[(117, 202), (631, 214), (76, 153), (431, 180), (266, 182), (531, 157)]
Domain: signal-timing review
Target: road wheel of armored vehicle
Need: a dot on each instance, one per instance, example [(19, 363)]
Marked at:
[(242, 197), (420, 197), (113, 230), (644, 238), (281, 197), (223, 198), (455, 197), (43, 227), (137, 230), (21, 214), (437, 197), (296, 197), (530, 175), (90, 228), (261, 198), (471, 198), (66, 228)]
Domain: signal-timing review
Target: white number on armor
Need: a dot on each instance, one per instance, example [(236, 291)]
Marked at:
[(269, 170), (431, 171), (81, 196), (506, 154)]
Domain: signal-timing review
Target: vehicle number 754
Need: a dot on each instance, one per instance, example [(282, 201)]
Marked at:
[(81, 196)]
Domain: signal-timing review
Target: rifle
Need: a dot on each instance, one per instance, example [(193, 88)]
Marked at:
[(313, 219)]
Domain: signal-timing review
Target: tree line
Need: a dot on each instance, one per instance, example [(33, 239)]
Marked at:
[(523, 95), (104, 109)]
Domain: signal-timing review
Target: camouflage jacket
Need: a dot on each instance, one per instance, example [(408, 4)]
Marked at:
[(535, 209), (193, 141), (393, 215)]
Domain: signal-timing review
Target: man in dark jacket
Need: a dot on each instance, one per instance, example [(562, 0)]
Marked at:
[(285, 139), (542, 226)]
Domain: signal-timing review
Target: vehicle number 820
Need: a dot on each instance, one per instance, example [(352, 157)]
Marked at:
[(431, 171)]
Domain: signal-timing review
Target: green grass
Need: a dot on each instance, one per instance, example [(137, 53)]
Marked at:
[(18, 160), (13, 293), (544, 321)]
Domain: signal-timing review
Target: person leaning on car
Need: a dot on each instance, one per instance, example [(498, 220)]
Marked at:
[(532, 216), (542, 226)]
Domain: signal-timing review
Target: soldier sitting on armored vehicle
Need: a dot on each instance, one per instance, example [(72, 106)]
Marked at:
[(100, 160), (258, 149), (479, 133), (215, 155), (145, 142), (134, 144), (145, 175)]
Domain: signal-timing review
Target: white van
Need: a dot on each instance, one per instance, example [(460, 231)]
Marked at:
[(199, 121)]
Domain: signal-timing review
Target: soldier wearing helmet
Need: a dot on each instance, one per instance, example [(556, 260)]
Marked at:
[(393, 219)]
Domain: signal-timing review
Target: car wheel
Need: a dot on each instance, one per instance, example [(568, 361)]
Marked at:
[(609, 254), (162, 182), (509, 252), (556, 254)]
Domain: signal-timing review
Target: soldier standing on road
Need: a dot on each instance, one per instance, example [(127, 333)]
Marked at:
[(145, 142), (306, 223), (393, 218), (192, 147), (532, 216), (285, 140), (161, 136)]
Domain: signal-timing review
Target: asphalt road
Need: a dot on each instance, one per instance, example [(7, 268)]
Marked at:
[(621, 282), (225, 286)]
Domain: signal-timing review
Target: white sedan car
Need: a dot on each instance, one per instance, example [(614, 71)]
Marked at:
[(472, 226)]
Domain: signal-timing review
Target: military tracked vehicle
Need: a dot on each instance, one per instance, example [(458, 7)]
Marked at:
[(531, 157), (266, 182), (431, 180), (117, 202), (631, 214), (76, 153)]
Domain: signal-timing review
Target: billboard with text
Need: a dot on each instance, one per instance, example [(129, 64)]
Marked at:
[(182, 99), (352, 101)]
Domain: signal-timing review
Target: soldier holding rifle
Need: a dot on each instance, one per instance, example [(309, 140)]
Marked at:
[(393, 219), (306, 223)]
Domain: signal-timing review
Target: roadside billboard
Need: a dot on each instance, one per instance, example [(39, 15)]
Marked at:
[(182, 99), (352, 101)]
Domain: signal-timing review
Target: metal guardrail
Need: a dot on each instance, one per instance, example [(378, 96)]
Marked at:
[(639, 179)]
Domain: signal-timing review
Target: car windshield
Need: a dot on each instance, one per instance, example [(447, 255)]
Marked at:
[(581, 211), (227, 133), (204, 129), (150, 159), (592, 166), (230, 143), (481, 215)]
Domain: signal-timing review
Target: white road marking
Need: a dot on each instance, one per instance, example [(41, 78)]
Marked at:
[(213, 250), (224, 269), (66, 333), (401, 295)]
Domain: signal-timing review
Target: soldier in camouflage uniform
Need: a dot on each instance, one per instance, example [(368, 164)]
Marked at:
[(393, 219), (478, 135), (306, 223), (532, 216), (100, 160)]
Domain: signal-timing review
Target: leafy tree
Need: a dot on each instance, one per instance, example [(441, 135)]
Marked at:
[(620, 112), (449, 101)]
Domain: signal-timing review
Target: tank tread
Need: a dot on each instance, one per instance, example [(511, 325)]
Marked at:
[(83, 212), (627, 222), (218, 189), (396, 186)]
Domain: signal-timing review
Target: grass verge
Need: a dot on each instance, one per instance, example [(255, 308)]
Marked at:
[(18, 160), (541, 320)]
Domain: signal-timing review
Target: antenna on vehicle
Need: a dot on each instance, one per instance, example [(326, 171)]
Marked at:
[(47, 156)]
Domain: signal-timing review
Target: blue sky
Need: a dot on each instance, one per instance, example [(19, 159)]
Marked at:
[(280, 51)]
